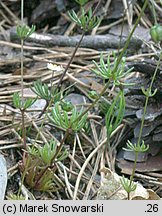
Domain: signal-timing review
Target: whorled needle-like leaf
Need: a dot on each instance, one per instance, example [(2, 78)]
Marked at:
[(23, 31), (65, 120), (73, 16), (106, 69), (17, 100), (15, 197), (44, 92), (136, 148), (148, 92), (81, 2), (22, 105), (85, 21), (28, 103), (128, 187), (115, 113), (47, 151), (47, 182)]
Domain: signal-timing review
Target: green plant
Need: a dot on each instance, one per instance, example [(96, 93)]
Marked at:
[(136, 148), (115, 113), (15, 197), (34, 176), (50, 95), (156, 29), (48, 151), (115, 68), (39, 167), (47, 183), (128, 187), (156, 33), (140, 145), (23, 31), (63, 119), (114, 73), (44, 92), (86, 21), (93, 94), (66, 106), (118, 61), (81, 2), (32, 168), (106, 70), (22, 105)]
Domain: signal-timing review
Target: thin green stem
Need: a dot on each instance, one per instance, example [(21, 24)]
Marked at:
[(130, 35), (22, 77), (23, 128), (22, 11), (142, 123), (154, 12), (22, 92), (70, 61), (156, 70), (22, 70)]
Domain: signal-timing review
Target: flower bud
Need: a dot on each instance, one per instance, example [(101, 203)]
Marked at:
[(156, 33)]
